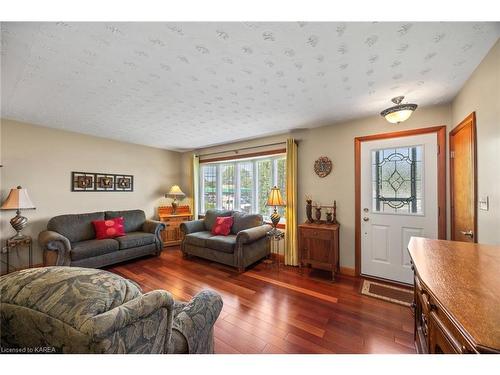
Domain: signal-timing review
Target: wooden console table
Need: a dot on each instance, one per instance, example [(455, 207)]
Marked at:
[(319, 246), (172, 235), (457, 296)]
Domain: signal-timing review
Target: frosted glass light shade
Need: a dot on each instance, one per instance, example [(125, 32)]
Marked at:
[(399, 112), (399, 116)]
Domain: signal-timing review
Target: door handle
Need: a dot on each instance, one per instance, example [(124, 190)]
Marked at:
[(468, 233), (366, 218)]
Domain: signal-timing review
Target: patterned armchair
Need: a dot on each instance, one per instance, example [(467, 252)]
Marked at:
[(82, 310)]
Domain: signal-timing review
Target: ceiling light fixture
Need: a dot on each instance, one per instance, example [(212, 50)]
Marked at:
[(400, 112)]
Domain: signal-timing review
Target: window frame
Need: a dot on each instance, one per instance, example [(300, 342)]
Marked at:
[(237, 163)]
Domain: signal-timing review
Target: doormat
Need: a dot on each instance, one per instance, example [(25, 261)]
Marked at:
[(389, 293)]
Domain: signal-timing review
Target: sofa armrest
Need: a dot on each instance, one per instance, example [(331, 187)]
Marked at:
[(153, 226), (252, 234), (56, 248), (195, 322), (192, 226), (133, 311)]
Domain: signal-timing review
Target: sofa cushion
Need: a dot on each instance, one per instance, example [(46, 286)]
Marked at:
[(244, 221), (135, 239), (226, 244), (92, 248), (109, 228), (211, 215), (134, 219), (197, 238), (75, 227), (222, 226)]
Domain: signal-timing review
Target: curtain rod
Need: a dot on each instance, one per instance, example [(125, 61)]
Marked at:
[(236, 150)]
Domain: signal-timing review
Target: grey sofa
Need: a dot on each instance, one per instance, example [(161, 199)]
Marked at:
[(83, 310), (246, 244), (70, 239)]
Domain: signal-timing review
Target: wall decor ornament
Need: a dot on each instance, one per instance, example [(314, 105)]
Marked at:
[(309, 209), (318, 213), (90, 181), (323, 166), (331, 212)]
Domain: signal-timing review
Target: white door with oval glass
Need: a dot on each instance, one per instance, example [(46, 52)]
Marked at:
[(398, 201)]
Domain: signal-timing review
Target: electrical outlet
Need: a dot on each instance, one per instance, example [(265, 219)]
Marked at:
[(484, 203)]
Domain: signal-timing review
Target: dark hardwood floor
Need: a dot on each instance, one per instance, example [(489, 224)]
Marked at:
[(285, 311)]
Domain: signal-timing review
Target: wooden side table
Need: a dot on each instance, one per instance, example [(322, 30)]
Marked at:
[(274, 236), (16, 244), (172, 234), (319, 246)]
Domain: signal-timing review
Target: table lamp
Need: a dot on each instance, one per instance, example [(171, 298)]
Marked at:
[(18, 200), (275, 199), (175, 193)]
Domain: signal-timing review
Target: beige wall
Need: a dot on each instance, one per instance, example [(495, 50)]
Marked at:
[(337, 142), (481, 93), (41, 159)]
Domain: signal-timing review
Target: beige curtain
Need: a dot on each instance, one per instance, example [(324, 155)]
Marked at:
[(196, 185), (291, 247)]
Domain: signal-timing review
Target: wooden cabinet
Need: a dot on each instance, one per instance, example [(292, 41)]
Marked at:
[(172, 234), (455, 310), (319, 246)]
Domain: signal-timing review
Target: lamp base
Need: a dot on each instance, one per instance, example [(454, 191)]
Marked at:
[(275, 217), (174, 206), (18, 222)]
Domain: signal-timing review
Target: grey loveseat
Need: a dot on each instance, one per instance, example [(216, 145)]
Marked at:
[(246, 244), (83, 310), (70, 239)]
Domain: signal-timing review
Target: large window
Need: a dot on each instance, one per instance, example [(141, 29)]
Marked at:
[(242, 185)]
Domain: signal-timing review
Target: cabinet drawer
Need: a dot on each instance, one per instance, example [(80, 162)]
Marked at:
[(174, 221), (317, 233), (444, 335)]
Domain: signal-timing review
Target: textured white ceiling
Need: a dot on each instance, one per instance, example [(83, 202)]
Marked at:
[(189, 85)]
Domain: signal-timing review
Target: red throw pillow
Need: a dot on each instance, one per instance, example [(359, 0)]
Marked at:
[(110, 228), (222, 226)]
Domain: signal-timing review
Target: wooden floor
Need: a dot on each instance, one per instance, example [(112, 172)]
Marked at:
[(267, 310)]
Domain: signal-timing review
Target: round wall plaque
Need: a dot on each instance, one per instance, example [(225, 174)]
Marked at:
[(323, 166)]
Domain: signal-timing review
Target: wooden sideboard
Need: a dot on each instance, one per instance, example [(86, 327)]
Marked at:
[(457, 296), (319, 246), (172, 234)]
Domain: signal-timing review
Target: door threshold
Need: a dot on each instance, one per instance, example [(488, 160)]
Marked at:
[(387, 281)]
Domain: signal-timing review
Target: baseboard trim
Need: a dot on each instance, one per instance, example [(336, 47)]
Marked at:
[(347, 271)]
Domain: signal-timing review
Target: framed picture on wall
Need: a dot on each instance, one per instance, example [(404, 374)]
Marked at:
[(81, 181), (90, 181), (124, 183), (105, 182)]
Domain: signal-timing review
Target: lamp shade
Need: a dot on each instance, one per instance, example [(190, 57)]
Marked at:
[(18, 199), (175, 192), (274, 198)]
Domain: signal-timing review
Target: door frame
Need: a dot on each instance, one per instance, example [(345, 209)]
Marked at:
[(470, 119), (441, 180)]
